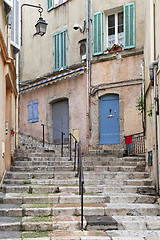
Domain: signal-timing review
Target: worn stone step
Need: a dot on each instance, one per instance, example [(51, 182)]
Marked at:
[(53, 198), (42, 163), (52, 223), (138, 222), (130, 198), (130, 182), (150, 190), (10, 223), (41, 168), (45, 189), (10, 235), (67, 235), (127, 234), (66, 174), (108, 209)]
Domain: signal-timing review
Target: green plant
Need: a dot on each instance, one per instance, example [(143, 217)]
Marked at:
[(30, 191), (149, 112), (140, 105)]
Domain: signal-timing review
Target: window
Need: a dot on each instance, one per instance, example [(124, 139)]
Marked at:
[(60, 50), (33, 111), (54, 3), (115, 33), (14, 19), (120, 28)]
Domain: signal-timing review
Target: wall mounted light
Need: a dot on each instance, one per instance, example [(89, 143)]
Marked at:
[(41, 24)]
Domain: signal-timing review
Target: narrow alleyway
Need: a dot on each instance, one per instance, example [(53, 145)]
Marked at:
[(39, 197)]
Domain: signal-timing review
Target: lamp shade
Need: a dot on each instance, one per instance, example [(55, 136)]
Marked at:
[(41, 26)]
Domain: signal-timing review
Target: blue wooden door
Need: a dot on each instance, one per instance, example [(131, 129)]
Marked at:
[(60, 116), (109, 120)]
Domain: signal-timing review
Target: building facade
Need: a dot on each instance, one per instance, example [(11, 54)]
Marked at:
[(152, 88), (84, 75), (8, 90)]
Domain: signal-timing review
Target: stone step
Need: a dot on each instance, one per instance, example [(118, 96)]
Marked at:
[(109, 209), (42, 223), (75, 181), (45, 189), (150, 190), (56, 162), (41, 168), (131, 198), (66, 235), (53, 198), (130, 182), (131, 234), (138, 222), (42, 163), (91, 175), (70, 168)]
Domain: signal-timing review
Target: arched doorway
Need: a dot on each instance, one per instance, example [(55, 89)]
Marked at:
[(60, 118), (109, 119)]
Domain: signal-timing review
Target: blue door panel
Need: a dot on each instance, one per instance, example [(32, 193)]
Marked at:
[(109, 120), (60, 115)]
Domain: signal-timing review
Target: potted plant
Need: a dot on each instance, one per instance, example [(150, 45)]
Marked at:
[(115, 48)]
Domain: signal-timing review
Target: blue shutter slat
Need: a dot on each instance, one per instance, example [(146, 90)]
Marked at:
[(35, 110), (97, 33), (30, 117), (129, 25)]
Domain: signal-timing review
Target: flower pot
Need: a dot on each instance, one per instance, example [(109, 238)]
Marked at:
[(116, 50)]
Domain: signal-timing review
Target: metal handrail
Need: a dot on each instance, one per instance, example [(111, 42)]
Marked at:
[(78, 167), (75, 149), (136, 144), (62, 134)]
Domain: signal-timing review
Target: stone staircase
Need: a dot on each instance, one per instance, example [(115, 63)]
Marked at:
[(39, 197)]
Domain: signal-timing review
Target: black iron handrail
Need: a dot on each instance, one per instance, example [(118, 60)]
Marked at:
[(62, 134), (75, 149), (78, 167), (135, 143)]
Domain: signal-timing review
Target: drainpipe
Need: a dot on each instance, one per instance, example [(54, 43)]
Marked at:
[(153, 76), (88, 67)]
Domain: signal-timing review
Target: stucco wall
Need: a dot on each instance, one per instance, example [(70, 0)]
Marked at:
[(73, 88), (37, 52)]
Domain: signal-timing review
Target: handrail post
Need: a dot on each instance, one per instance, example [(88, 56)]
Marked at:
[(43, 133), (75, 155), (62, 143), (70, 146), (82, 206)]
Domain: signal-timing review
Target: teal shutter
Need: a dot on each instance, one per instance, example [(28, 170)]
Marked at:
[(60, 50), (129, 25), (97, 33), (50, 4)]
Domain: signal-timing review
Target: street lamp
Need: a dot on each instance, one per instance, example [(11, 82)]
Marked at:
[(41, 24)]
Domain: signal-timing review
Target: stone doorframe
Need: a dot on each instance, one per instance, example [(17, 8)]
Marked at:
[(95, 117), (50, 101)]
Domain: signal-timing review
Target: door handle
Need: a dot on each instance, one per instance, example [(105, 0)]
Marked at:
[(110, 115)]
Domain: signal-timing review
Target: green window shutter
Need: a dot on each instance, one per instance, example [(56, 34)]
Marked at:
[(129, 25), (60, 50), (97, 33), (50, 4)]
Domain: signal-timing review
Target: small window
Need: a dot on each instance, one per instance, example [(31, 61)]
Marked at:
[(33, 111), (54, 3), (60, 50)]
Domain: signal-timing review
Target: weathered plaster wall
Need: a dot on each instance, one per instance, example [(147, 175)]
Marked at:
[(73, 88)]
